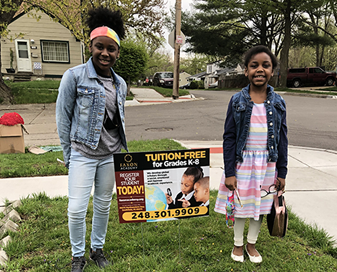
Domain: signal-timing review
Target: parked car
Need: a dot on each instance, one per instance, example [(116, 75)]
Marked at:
[(163, 79), (186, 86), (213, 85), (309, 76)]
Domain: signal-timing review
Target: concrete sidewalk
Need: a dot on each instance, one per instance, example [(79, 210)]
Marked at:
[(311, 188), (143, 96)]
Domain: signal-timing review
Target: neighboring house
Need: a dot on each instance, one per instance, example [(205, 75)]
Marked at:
[(238, 70), (183, 78), (199, 76), (212, 67), (213, 77), (221, 73), (45, 48)]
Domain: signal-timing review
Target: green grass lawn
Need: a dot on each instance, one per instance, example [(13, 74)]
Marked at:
[(323, 91), (30, 165), (194, 244), (32, 92)]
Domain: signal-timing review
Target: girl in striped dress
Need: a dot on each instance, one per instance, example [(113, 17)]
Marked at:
[(255, 151)]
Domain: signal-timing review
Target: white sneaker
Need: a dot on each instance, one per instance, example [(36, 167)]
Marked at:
[(254, 259)]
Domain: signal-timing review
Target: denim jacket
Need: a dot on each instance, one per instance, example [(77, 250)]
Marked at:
[(80, 107), (237, 128)]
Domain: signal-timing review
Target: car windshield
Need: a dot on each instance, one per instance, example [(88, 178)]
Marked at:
[(166, 75)]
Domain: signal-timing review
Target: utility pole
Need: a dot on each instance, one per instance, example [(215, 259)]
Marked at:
[(175, 93)]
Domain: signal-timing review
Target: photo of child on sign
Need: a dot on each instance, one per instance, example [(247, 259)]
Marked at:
[(185, 198)]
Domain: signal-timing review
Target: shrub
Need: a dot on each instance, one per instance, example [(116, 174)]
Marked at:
[(201, 84), (194, 85)]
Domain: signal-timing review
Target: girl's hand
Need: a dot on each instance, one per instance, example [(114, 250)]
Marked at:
[(168, 199), (280, 184), (185, 202), (231, 183)]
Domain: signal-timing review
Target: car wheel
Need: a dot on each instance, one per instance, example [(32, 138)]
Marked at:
[(329, 82), (296, 83)]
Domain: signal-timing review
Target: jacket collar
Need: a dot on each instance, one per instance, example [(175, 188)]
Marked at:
[(270, 93), (92, 72)]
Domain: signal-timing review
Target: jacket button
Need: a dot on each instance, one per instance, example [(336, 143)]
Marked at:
[(271, 147), (268, 102), (271, 124), (270, 113), (272, 136), (120, 103)]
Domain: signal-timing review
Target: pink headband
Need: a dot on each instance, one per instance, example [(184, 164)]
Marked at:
[(105, 31)]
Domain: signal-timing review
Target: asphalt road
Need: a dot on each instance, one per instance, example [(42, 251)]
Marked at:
[(312, 122)]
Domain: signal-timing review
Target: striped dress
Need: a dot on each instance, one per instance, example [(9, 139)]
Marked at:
[(253, 174)]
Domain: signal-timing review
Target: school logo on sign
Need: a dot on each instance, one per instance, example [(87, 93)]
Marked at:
[(128, 164)]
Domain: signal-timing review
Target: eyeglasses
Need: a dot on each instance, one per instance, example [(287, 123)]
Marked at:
[(271, 190)]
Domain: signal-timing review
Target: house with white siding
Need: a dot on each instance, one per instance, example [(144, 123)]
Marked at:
[(39, 48)]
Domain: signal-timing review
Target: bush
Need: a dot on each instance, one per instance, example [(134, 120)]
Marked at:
[(201, 84), (194, 85)]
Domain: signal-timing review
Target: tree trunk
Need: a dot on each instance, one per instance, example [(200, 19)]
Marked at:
[(6, 96), (263, 37), (286, 46), (129, 87)]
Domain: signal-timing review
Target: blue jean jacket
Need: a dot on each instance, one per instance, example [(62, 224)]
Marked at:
[(80, 107), (237, 128)]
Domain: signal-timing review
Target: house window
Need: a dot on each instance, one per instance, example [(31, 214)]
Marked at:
[(55, 51)]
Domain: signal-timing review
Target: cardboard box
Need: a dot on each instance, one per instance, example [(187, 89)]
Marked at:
[(11, 139)]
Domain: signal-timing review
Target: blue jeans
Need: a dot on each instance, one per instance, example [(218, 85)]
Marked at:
[(83, 174)]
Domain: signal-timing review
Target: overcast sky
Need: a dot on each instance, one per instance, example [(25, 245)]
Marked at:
[(185, 4)]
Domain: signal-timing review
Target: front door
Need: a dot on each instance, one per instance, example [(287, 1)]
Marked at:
[(24, 62)]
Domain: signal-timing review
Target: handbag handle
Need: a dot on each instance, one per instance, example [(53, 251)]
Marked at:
[(280, 198)]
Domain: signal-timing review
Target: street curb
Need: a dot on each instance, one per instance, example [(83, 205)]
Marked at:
[(309, 95), (147, 102), (315, 149)]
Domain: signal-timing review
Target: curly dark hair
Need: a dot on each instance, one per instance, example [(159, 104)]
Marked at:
[(195, 171), (102, 16), (259, 49)]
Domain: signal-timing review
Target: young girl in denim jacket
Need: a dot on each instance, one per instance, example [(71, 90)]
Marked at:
[(91, 127), (255, 151)]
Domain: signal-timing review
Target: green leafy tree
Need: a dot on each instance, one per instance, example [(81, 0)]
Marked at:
[(195, 63), (318, 31), (132, 61), (227, 28), (158, 62)]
